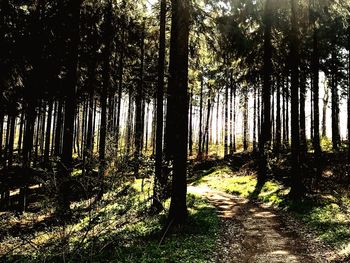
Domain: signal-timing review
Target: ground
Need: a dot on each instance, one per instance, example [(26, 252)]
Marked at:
[(253, 233), (230, 220)]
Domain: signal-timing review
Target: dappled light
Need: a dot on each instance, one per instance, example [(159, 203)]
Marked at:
[(163, 131)]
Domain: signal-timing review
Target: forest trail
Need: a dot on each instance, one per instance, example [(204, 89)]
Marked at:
[(253, 233)]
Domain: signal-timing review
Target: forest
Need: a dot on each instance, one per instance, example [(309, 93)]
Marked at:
[(175, 131)]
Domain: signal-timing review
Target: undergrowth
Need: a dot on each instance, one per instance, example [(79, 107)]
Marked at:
[(118, 229), (328, 217)]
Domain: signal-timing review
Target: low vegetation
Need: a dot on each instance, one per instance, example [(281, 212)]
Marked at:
[(117, 229), (327, 216)]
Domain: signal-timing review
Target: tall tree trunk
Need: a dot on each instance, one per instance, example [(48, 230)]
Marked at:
[(245, 120), (303, 146), (190, 136), (120, 89), (348, 99), (254, 120), (206, 133), (284, 124), (7, 136), (129, 123), (234, 119), (315, 92), (258, 128), (200, 153), (265, 136), (312, 114), (178, 85), (287, 111), (231, 115), (11, 139), (48, 132), (324, 109), (296, 184), (217, 120), (58, 132), (89, 135), (138, 112), (273, 111), (226, 119), (37, 135), (72, 30), (105, 89), (1, 133), (278, 115), (335, 103)]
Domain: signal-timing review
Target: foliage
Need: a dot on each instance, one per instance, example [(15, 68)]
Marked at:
[(328, 216), (118, 229)]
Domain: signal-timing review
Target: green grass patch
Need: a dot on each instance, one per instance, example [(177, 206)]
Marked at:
[(221, 179), (120, 230), (329, 221)]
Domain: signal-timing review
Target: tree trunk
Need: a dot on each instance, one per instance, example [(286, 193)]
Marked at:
[(348, 99), (178, 84), (72, 30), (11, 139), (138, 112), (324, 109), (48, 132), (278, 115), (234, 120), (265, 136), (315, 92), (226, 120), (206, 133), (190, 136), (335, 103), (20, 136), (303, 146), (120, 89), (284, 124), (245, 122), (1, 133), (296, 184), (58, 132), (200, 153), (231, 115), (105, 89), (217, 120)]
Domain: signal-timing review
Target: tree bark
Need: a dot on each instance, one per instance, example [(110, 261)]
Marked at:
[(296, 184), (265, 137), (48, 132), (178, 85), (278, 115), (138, 111), (335, 102), (72, 31), (200, 153)]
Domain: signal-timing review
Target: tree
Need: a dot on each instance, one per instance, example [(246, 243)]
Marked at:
[(296, 187), (178, 83), (159, 179), (71, 29), (265, 136)]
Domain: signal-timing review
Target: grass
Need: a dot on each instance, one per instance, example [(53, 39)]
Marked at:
[(272, 192), (194, 244), (328, 220), (120, 230)]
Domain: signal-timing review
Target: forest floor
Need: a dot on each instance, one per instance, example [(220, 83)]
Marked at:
[(230, 219), (252, 232), (261, 224)]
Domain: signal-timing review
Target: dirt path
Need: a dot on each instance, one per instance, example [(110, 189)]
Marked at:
[(252, 233)]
